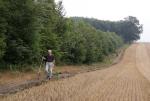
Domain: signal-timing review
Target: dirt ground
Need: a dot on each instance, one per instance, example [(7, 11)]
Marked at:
[(16, 77), (129, 80)]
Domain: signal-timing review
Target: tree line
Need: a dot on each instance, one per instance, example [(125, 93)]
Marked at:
[(128, 29), (28, 28)]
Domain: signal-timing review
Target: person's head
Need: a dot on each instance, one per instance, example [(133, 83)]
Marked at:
[(50, 52)]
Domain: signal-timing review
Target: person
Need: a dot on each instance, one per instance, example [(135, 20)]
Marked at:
[(50, 61)]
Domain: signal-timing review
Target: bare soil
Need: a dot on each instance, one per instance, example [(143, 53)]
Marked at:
[(129, 80), (15, 81), (12, 82)]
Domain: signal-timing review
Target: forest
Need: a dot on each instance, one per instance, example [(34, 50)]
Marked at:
[(28, 28)]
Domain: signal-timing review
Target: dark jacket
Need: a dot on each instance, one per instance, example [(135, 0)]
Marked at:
[(49, 58)]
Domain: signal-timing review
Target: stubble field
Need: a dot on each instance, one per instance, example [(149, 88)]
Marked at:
[(128, 80)]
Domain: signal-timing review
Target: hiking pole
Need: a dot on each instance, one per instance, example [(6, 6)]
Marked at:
[(39, 69)]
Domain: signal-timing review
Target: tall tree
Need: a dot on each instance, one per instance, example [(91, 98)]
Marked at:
[(22, 32), (3, 25), (52, 22), (129, 28)]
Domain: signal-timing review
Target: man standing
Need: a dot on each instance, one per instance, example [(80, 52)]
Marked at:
[(50, 61)]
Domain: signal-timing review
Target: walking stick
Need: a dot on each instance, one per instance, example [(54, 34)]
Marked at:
[(39, 70)]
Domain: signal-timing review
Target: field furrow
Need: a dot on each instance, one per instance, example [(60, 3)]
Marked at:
[(128, 80)]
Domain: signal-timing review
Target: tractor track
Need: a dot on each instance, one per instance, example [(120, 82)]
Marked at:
[(129, 80)]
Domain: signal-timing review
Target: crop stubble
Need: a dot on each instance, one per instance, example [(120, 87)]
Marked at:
[(125, 81)]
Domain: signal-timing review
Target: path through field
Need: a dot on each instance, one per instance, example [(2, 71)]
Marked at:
[(127, 81)]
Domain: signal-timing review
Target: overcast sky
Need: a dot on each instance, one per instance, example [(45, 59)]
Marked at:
[(111, 10)]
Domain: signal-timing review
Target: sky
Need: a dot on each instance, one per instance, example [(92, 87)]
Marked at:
[(112, 10)]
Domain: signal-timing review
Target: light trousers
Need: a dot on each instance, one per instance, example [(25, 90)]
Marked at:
[(49, 69)]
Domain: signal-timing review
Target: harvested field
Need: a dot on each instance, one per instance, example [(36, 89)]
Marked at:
[(129, 80)]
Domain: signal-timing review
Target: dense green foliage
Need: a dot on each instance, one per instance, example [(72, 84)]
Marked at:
[(129, 28), (3, 25), (22, 37), (28, 28), (82, 43), (52, 22)]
